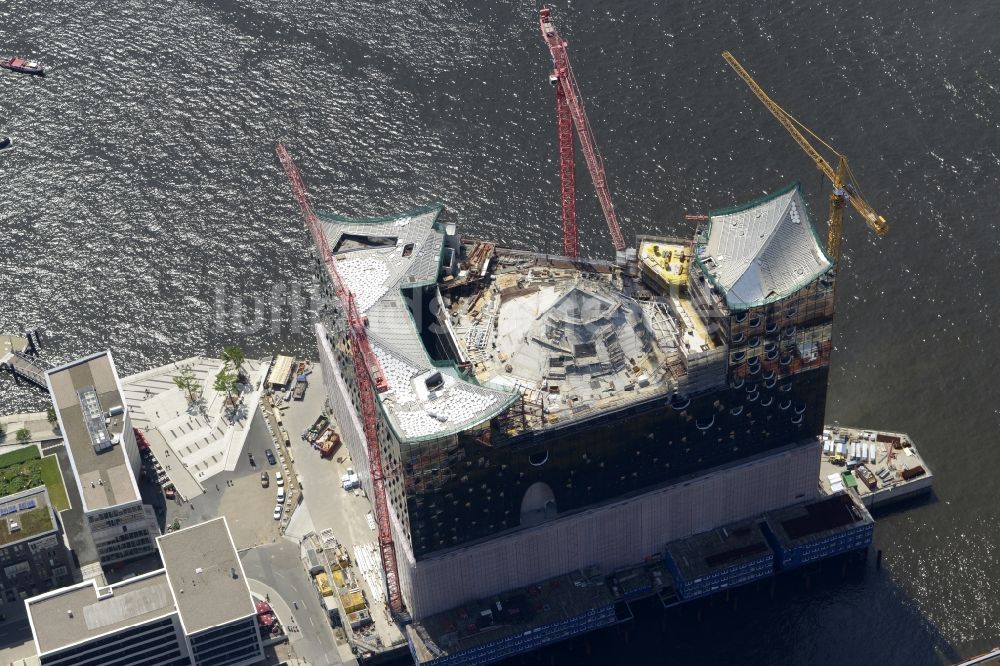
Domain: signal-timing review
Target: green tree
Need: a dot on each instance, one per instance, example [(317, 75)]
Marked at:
[(23, 436), (225, 382), (234, 357), (186, 381), (50, 414)]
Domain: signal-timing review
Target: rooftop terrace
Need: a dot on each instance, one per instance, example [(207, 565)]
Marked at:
[(720, 548), (25, 515), (83, 393), (805, 522)]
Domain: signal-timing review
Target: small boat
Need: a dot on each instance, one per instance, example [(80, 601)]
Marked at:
[(24, 66), (6, 143)]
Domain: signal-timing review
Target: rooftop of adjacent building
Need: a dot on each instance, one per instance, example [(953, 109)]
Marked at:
[(806, 522), (85, 611), (25, 515), (83, 393), (718, 549), (206, 575), (508, 614)]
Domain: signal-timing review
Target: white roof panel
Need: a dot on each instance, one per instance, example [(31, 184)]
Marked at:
[(763, 252)]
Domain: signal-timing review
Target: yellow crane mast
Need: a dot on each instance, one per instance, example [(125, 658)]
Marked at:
[(845, 188)]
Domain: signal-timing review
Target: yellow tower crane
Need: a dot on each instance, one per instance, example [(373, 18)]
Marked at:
[(845, 188)]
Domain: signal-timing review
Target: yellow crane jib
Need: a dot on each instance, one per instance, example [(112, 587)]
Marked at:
[(845, 188)]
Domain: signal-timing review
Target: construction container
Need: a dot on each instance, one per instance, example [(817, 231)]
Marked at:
[(913, 472), (323, 583), (359, 619), (352, 601), (339, 579), (849, 480)]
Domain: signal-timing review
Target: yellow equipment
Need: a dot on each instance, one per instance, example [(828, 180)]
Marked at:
[(845, 186)]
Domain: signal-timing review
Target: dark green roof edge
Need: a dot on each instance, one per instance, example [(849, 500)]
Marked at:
[(756, 202), (419, 210)]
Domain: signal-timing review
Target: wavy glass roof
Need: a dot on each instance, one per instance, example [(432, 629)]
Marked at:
[(378, 258), (763, 251)]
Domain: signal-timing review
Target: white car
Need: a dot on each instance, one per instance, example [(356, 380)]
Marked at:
[(279, 479), (277, 512), (281, 495)]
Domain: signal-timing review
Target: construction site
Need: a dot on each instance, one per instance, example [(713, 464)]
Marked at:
[(544, 437)]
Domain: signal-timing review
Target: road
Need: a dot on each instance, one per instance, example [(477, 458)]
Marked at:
[(279, 567)]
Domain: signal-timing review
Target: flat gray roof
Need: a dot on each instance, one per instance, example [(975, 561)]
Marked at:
[(200, 562), (85, 611), (104, 479), (718, 549)]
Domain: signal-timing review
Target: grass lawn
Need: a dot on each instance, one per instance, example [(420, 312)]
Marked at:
[(52, 478), (25, 468), (32, 522)]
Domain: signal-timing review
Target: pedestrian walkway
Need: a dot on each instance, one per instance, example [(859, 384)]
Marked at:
[(36, 422), (25, 367)]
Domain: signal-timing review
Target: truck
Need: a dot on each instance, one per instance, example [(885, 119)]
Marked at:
[(299, 392), (316, 429), (866, 476), (350, 481), (329, 443)]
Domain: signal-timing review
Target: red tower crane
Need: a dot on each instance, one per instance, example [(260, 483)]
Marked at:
[(369, 374), (570, 113)]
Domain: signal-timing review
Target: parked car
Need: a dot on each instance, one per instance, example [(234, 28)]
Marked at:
[(279, 479), (277, 512), (264, 481), (269, 454), (281, 495)]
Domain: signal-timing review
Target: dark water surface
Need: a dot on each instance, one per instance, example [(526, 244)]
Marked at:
[(143, 191)]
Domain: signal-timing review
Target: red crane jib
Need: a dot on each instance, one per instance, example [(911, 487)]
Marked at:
[(369, 373), (568, 97)]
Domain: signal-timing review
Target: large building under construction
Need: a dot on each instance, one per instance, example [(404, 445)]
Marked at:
[(538, 415)]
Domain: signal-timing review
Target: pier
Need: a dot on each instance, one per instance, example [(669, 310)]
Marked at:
[(15, 358)]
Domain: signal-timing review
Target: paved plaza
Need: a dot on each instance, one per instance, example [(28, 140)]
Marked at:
[(194, 441)]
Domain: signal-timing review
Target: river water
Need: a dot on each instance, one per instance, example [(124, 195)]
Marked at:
[(143, 210)]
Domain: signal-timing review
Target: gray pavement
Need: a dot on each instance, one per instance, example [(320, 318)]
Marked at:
[(329, 506), (238, 495), (295, 600)]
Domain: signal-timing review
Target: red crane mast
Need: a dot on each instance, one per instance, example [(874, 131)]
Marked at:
[(570, 112), (369, 373)]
